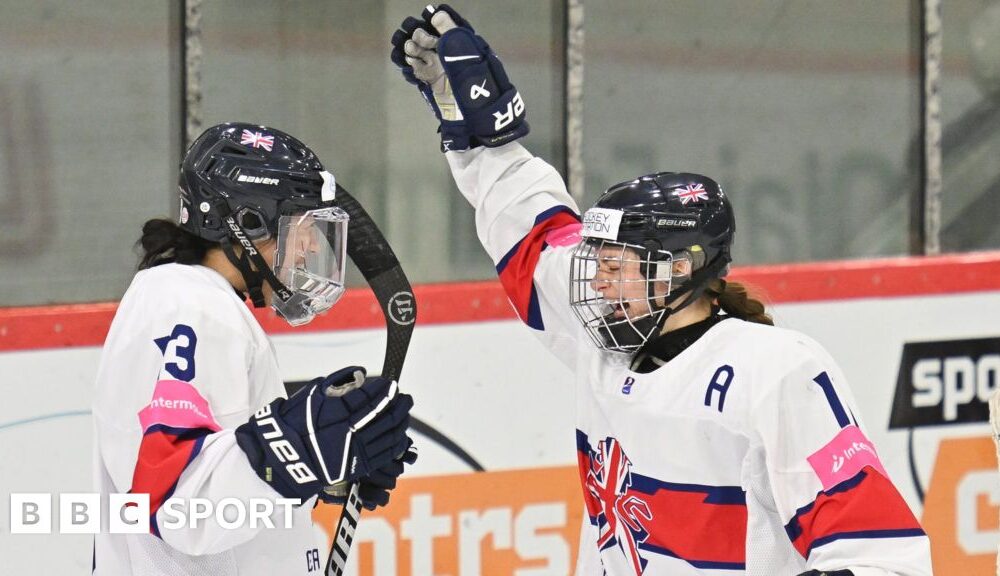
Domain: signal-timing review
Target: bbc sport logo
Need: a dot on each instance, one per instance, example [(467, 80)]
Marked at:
[(89, 513)]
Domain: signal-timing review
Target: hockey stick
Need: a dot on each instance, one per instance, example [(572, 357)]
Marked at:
[(371, 253)]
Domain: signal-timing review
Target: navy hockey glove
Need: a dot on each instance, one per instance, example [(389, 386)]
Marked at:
[(374, 489), (318, 437), (461, 78)]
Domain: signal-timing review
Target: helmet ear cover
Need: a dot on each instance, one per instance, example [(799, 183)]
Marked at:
[(681, 283)]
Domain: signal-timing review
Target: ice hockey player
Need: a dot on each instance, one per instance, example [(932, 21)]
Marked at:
[(709, 441), (190, 405)]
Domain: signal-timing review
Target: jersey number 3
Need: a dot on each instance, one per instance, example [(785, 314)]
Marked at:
[(178, 352)]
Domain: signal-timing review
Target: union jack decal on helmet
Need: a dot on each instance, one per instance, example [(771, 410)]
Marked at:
[(691, 193), (257, 140)]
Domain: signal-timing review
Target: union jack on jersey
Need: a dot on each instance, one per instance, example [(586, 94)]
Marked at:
[(623, 514), (257, 140), (691, 193)]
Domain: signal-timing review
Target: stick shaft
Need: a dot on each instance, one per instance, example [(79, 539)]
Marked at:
[(374, 258)]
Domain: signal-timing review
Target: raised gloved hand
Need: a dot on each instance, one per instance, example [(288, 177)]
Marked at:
[(322, 435), (461, 78)]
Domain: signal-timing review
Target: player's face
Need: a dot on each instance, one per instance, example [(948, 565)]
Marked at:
[(304, 240), (620, 282)]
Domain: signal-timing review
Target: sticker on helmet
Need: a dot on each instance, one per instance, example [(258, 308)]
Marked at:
[(257, 140), (691, 193), (601, 223), (329, 191)]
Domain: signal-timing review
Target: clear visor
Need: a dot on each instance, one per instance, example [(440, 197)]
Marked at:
[(619, 295), (310, 260)]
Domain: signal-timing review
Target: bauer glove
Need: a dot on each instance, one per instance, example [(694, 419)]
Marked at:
[(374, 488), (461, 78), (323, 435)]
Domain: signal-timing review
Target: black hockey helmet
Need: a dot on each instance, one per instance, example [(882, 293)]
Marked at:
[(243, 183), (673, 211), (253, 172), (661, 218)]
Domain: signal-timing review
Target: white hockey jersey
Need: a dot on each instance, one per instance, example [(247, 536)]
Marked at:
[(184, 364), (741, 455)]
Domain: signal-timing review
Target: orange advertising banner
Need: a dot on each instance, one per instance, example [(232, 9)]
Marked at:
[(517, 522), (961, 514)]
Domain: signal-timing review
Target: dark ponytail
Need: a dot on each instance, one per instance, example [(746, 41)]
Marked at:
[(163, 241), (734, 300)]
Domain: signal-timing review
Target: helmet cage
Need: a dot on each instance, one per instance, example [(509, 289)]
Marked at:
[(636, 276)]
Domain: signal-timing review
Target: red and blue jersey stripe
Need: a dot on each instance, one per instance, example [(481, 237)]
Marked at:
[(517, 268), (174, 424), (164, 454), (703, 525), (864, 506)]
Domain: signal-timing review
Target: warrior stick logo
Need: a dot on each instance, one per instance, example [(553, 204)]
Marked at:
[(402, 308)]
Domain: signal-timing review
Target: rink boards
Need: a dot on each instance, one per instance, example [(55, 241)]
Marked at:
[(919, 341)]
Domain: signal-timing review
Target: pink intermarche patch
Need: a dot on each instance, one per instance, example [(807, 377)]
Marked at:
[(565, 236), (178, 405), (844, 457)]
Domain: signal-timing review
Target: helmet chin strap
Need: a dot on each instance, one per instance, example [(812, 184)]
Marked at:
[(695, 286), (251, 265)]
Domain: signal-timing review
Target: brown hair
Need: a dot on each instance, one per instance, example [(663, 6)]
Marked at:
[(164, 241), (735, 301)]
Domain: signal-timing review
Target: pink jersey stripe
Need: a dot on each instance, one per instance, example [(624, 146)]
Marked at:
[(844, 457), (177, 404), (517, 268)]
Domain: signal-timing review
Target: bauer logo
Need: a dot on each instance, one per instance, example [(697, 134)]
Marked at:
[(257, 180), (947, 382), (671, 223)]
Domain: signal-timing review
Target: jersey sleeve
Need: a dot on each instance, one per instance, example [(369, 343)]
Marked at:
[(529, 225), (190, 373), (838, 505)]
